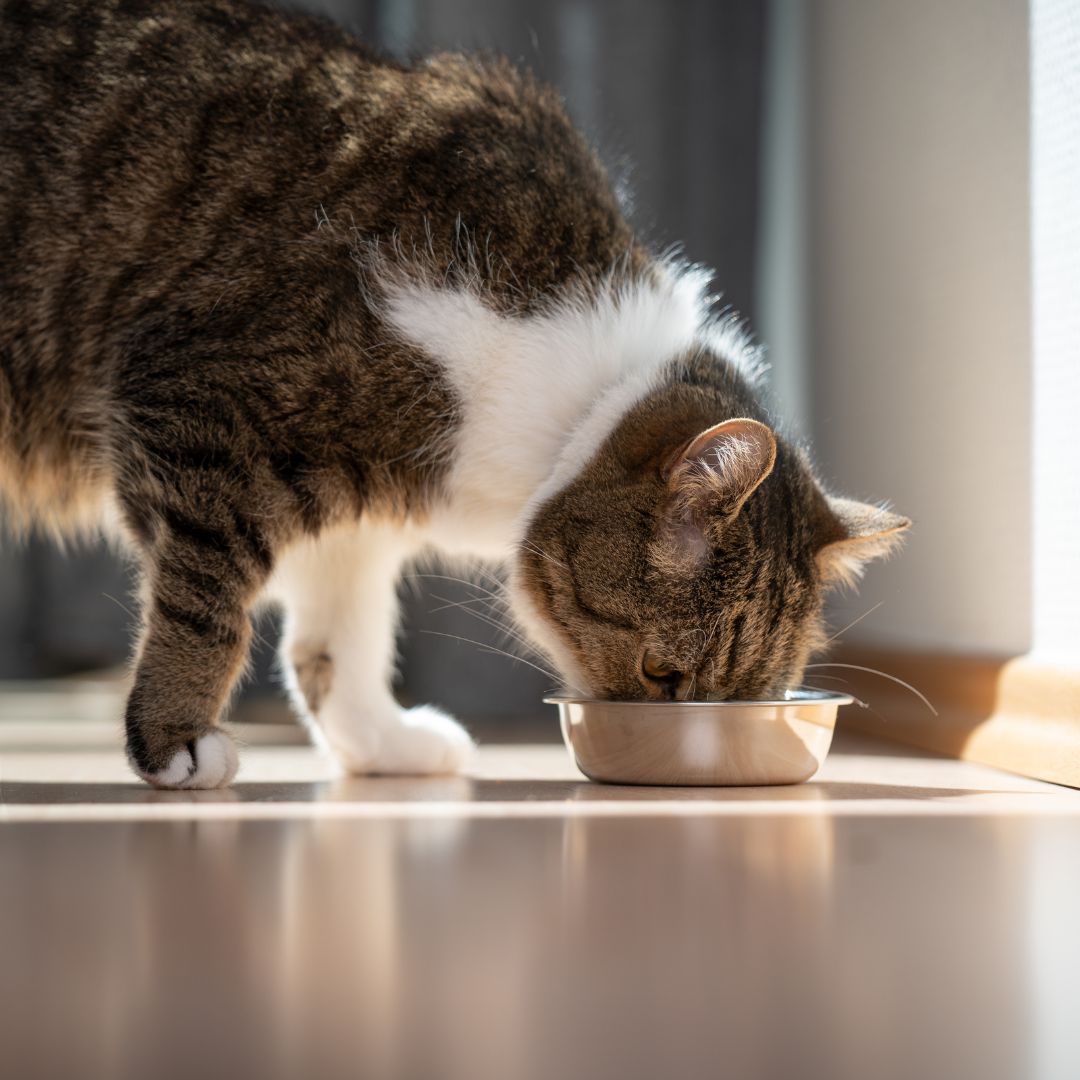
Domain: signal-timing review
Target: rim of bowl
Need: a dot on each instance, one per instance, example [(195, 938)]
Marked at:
[(798, 697)]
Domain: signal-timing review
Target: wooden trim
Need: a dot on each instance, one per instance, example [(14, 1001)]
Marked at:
[(1015, 714)]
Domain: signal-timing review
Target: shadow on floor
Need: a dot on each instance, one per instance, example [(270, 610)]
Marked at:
[(397, 790)]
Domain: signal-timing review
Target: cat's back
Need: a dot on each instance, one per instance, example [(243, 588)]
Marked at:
[(111, 109), (138, 130), (186, 180)]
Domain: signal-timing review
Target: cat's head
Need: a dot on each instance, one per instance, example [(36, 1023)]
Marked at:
[(690, 566)]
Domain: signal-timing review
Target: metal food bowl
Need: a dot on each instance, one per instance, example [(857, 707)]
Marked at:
[(700, 743)]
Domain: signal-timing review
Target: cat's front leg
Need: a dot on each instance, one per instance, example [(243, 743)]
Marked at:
[(341, 613), (196, 632)]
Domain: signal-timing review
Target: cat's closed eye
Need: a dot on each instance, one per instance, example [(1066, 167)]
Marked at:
[(656, 671)]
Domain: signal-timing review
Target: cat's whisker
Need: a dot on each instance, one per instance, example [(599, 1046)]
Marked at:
[(458, 581), (884, 675), (119, 604), (482, 600), (543, 554), (501, 652), (484, 572), (821, 689), (854, 622), (260, 639), (689, 695), (711, 634), (501, 627)]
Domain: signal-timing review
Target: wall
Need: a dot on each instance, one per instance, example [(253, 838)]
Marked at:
[(917, 277)]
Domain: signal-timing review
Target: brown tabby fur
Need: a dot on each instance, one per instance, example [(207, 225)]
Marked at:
[(194, 197)]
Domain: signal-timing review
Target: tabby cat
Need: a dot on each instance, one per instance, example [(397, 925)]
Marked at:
[(284, 314)]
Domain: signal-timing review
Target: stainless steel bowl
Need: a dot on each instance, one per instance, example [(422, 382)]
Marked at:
[(701, 743)]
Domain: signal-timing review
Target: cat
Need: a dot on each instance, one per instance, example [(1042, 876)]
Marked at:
[(283, 314)]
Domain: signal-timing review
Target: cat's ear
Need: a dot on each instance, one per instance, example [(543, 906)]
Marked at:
[(853, 535), (708, 480), (716, 472)]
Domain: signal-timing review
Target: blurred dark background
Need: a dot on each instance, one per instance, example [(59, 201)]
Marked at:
[(671, 94)]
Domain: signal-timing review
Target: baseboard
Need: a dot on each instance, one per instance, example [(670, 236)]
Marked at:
[(1015, 714)]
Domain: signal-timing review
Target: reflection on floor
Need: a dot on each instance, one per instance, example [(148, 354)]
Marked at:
[(902, 915)]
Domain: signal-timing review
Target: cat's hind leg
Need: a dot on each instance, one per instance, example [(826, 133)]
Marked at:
[(341, 613)]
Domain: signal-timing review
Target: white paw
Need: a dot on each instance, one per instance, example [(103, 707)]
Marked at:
[(213, 764), (419, 742)]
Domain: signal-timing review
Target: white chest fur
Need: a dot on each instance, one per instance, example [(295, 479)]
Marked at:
[(540, 393)]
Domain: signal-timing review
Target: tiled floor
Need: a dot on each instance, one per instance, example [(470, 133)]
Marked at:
[(900, 916)]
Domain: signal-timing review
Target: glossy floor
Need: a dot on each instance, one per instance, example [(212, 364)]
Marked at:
[(901, 916)]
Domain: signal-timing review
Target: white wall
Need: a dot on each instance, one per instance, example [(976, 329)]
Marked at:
[(919, 306)]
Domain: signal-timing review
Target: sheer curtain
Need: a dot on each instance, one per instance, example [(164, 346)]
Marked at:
[(1055, 202)]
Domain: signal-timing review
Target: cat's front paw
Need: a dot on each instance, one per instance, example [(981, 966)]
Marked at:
[(209, 761), (419, 742)]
